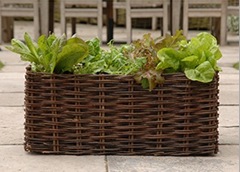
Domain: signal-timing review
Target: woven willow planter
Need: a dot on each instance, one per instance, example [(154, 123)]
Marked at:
[(112, 115)]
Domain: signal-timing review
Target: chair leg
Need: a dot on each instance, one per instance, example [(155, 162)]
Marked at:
[(63, 19), (154, 23), (100, 20), (165, 18), (223, 32), (128, 22), (1, 31), (100, 28), (216, 28), (36, 21), (73, 24), (185, 18), (36, 28)]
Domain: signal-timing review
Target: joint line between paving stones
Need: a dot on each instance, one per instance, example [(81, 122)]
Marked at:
[(229, 105), (234, 126), (13, 144), (227, 144), (11, 105), (7, 92), (106, 163)]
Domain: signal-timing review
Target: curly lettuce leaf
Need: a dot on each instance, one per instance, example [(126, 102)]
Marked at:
[(169, 58), (196, 58), (203, 73), (205, 47)]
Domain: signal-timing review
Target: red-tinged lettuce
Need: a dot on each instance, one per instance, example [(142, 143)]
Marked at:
[(149, 76)]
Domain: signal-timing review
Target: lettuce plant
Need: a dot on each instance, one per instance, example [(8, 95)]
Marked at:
[(115, 61), (146, 59), (50, 54), (1, 65), (149, 76), (197, 58)]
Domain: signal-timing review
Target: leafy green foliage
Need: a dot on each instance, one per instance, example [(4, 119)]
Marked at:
[(112, 61), (196, 58), (147, 58), (1, 65), (171, 41), (149, 76), (236, 65), (50, 54), (233, 24), (147, 48)]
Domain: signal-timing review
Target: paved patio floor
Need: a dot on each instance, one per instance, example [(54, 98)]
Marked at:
[(13, 158)]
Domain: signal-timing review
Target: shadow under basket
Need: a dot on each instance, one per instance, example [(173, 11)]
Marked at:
[(113, 115)]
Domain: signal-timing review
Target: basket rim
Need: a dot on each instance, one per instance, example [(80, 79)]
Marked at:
[(28, 70)]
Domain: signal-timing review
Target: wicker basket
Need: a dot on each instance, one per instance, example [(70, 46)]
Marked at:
[(112, 115)]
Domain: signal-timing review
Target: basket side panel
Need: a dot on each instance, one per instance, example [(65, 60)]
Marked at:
[(107, 114)]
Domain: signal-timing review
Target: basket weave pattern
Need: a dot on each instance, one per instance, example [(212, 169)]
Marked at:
[(113, 115)]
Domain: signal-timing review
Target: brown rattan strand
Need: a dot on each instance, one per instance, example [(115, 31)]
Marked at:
[(112, 115)]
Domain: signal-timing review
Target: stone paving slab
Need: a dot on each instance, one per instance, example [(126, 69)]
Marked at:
[(11, 125), (10, 58), (12, 135), (11, 99), (229, 79), (230, 55), (16, 159), (228, 135), (229, 70), (229, 94), (14, 69), (12, 76), (225, 161), (228, 116), (12, 85)]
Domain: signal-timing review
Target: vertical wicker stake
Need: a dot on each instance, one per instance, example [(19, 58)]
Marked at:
[(27, 102), (102, 114), (131, 124), (187, 113), (77, 115), (159, 119), (54, 112)]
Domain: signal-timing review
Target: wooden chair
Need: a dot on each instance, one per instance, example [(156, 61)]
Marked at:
[(233, 8), (84, 9), (121, 5), (20, 8), (210, 8), (144, 9)]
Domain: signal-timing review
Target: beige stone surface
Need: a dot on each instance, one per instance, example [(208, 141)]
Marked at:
[(13, 157)]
